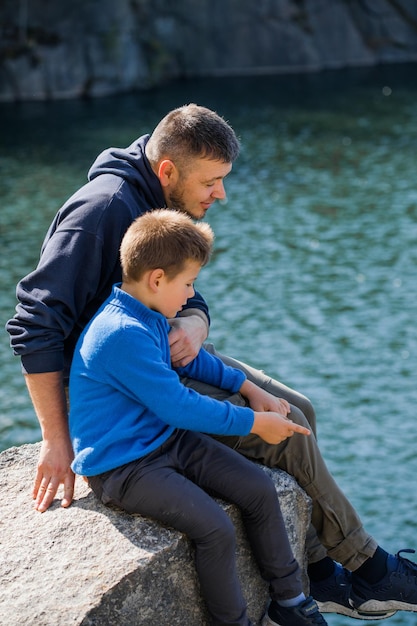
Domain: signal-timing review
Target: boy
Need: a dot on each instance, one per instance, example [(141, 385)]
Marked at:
[(135, 427)]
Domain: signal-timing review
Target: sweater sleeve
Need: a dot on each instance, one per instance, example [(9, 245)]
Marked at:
[(142, 374), (208, 368)]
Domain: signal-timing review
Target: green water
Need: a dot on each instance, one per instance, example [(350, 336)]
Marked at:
[(313, 278)]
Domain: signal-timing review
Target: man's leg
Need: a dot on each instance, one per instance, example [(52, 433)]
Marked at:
[(380, 583), (339, 529)]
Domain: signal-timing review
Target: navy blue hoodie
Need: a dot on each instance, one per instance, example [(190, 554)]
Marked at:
[(79, 260)]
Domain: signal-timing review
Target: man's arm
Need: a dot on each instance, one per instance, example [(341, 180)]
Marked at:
[(48, 397), (187, 335)]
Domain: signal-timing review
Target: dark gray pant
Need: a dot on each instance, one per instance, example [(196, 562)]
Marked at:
[(336, 528), (174, 485)]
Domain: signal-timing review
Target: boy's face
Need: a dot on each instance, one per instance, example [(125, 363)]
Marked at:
[(194, 191), (174, 293)]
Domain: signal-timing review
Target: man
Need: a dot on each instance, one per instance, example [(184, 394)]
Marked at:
[(182, 166)]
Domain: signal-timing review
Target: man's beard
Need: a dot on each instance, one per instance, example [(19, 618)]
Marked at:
[(176, 200)]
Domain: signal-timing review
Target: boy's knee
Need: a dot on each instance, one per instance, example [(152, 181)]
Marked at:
[(216, 528), (223, 535), (263, 489), (270, 490)]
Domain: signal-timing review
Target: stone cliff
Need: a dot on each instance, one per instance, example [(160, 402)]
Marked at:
[(51, 50), (91, 565)]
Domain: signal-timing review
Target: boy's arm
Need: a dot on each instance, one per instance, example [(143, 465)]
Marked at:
[(270, 422), (274, 428), (208, 368)]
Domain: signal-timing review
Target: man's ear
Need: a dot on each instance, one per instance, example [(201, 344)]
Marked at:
[(155, 278), (167, 173)]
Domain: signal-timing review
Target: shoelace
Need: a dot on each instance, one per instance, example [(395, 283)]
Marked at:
[(405, 566)]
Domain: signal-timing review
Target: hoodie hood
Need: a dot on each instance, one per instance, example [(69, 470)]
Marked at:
[(132, 165)]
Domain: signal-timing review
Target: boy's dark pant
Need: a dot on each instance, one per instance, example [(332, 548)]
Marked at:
[(173, 484)]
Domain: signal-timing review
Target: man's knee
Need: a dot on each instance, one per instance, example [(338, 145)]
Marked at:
[(306, 407), (298, 416)]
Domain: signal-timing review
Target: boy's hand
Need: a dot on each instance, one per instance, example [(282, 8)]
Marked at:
[(261, 400), (275, 428)]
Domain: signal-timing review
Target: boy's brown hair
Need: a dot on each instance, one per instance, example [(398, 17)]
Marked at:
[(164, 239)]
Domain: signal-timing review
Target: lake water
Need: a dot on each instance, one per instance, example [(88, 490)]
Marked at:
[(314, 274)]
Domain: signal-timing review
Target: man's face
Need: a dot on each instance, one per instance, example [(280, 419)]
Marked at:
[(194, 191)]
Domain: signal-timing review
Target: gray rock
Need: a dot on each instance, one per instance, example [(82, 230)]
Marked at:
[(51, 50), (92, 565)]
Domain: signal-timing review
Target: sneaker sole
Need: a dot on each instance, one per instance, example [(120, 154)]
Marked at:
[(330, 607), (386, 605), (333, 607)]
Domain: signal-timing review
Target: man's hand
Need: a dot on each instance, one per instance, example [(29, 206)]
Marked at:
[(186, 337), (53, 470), (48, 396), (274, 428)]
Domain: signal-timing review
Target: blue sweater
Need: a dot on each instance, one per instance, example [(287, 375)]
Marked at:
[(79, 261), (125, 398)]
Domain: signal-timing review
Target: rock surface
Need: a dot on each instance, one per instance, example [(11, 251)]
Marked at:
[(51, 50), (91, 565)]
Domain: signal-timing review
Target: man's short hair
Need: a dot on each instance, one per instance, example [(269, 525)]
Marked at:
[(192, 131)]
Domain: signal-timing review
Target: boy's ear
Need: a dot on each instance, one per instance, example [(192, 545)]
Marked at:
[(167, 173), (155, 278)]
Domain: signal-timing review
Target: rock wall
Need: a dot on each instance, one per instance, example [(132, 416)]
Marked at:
[(90, 565), (52, 50)]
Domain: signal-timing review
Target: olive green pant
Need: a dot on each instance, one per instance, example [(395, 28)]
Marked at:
[(336, 529)]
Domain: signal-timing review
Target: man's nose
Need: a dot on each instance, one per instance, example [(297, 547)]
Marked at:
[(219, 192)]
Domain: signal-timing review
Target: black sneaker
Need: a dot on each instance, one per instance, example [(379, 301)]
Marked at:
[(396, 591), (333, 593), (304, 614)]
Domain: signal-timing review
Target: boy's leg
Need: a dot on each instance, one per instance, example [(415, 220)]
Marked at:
[(227, 475), (156, 487)]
